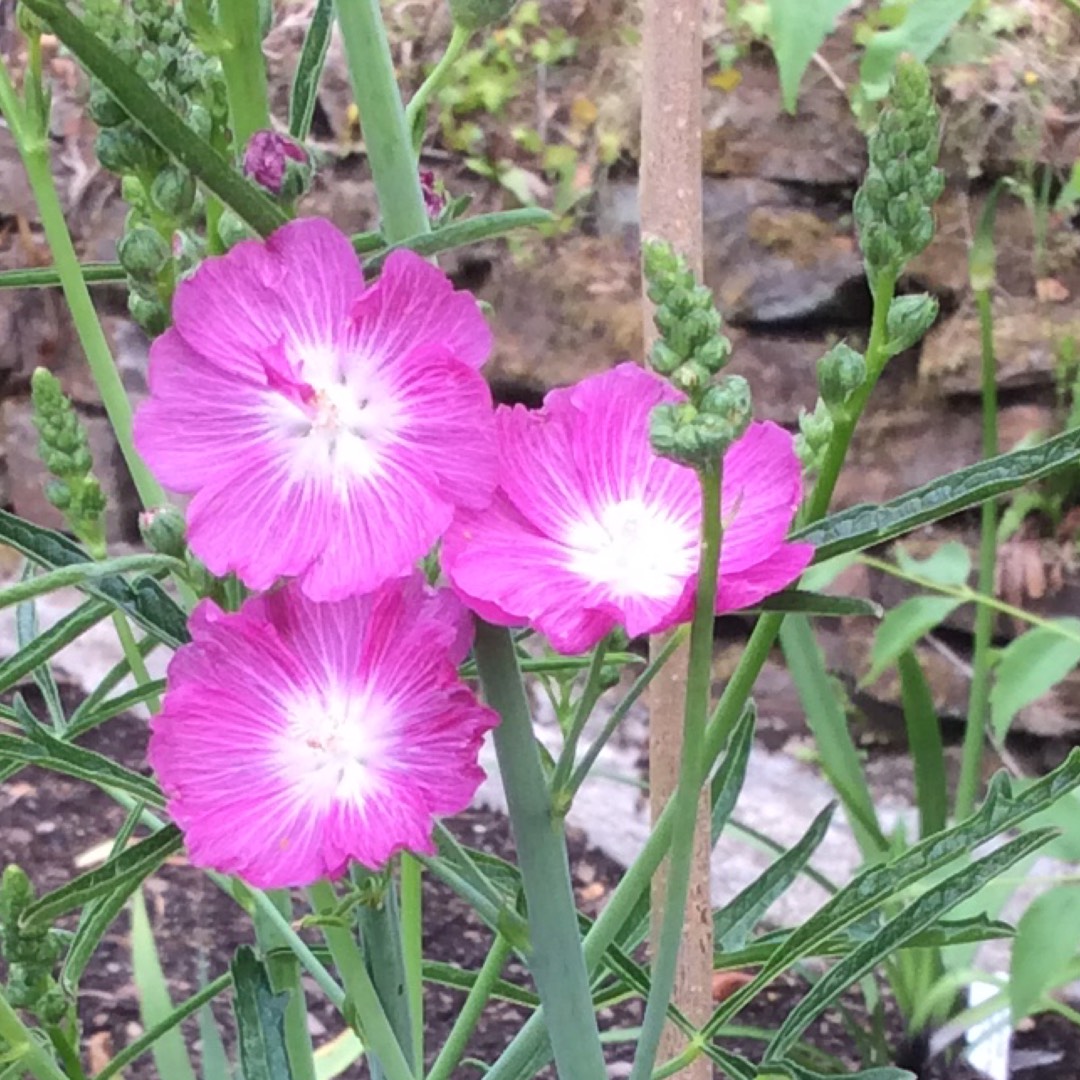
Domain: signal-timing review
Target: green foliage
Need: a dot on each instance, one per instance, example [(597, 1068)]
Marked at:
[(798, 30), (1043, 957)]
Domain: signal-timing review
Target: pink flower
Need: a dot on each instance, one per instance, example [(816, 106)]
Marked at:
[(327, 430), (591, 530), (296, 736)]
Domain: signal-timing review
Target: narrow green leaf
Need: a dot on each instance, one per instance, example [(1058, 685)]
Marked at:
[(215, 1059), (260, 1020), (733, 923), (98, 915), (78, 574), (1040, 957), (902, 627), (866, 525), (111, 680), (825, 716), (50, 642), (309, 68), (158, 120), (798, 29), (1030, 666), (734, 1066), (46, 277), (802, 602), (459, 979), (124, 871), (795, 1071), (1002, 810), (924, 742), (728, 780), (142, 599), (155, 1005), (122, 703), (919, 915), (473, 230), (333, 1058), (26, 629)]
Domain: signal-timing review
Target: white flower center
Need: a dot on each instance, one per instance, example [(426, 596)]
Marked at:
[(333, 744), (635, 549)]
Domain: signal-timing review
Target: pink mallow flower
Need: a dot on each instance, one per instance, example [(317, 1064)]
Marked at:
[(327, 431), (296, 736), (590, 529)]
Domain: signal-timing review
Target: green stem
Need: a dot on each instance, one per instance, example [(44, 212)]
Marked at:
[(133, 655), (589, 696), (555, 957), (17, 1037), (386, 136), (368, 1013), (244, 68), (67, 1053), (34, 153), (412, 947), (380, 929), (418, 105), (979, 701), (692, 776), (456, 1042), (284, 972), (641, 684), (876, 358)]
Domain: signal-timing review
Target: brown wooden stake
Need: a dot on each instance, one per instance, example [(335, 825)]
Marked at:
[(671, 211)]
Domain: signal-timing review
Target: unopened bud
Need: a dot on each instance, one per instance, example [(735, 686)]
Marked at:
[(841, 371), (164, 531), (267, 162), (173, 192), (909, 319), (142, 252)]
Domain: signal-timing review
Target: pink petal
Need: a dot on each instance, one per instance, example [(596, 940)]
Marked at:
[(414, 306), (762, 489), (747, 587), (199, 421), (299, 286)]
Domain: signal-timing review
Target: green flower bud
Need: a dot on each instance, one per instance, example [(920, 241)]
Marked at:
[(730, 401), (476, 14), (841, 371), (909, 319), (232, 229), (125, 149), (104, 109), (815, 433), (663, 359), (164, 530), (173, 192), (150, 314), (691, 378), (143, 253)]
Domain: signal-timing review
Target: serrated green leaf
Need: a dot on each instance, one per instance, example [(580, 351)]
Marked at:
[(798, 29), (260, 1020), (803, 602), (1028, 667), (125, 871), (158, 120), (950, 564), (47, 644), (1040, 956), (898, 932), (902, 627), (142, 599), (733, 923), (309, 68), (865, 525)]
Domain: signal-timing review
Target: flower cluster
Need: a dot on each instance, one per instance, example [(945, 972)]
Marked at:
[(331, 434)]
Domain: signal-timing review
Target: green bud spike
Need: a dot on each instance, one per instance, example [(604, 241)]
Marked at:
[(909, 319), (65, 452), (173, 192), (841, 371), (815, 434), (143, 253)]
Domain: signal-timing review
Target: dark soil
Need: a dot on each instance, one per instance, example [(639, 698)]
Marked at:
[(49, 823)]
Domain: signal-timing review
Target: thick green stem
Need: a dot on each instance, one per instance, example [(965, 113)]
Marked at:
[(368, 1012), (380, 930), (34, 152), (555, 957), (876, 357), (412, 949), (244, 67), (382, 117), (19, 1040), (456, 1042), (413, 114), (284, 971), (979, 701), (692, 776)]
